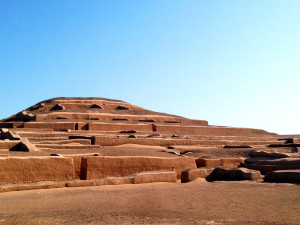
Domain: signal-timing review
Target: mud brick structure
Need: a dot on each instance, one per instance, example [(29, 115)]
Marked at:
[(80, 140)]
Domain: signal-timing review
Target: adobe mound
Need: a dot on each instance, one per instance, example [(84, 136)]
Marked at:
[(128, 139)]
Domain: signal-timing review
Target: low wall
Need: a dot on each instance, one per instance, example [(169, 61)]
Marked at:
[(226, 162), (192, 174), (151, 177), (121, 166), (52, 125), (34, 169)]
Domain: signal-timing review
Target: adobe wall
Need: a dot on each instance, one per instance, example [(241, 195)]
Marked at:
[(6, 125), (81, 126), (109, 117), (35, 169), (36, 130), (237, 138), (104, 116), (151, 177), (113, 141), (43, 135), (226, 162), (119, 127), (77, 162), (209, 130), (11, 124), (52, 125), (120, 166), (192, 174), (198, 122), (8, 144)]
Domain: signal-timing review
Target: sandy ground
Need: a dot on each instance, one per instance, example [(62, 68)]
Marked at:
[(198, 202)]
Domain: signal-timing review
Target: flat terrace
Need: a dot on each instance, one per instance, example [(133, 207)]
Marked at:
[(113, 116), (44, 139), (114, 142), (95, 125)]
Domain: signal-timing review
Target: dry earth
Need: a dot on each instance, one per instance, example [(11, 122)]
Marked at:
[(197, 202)]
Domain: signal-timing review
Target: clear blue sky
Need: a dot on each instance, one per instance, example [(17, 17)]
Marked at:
[(233, 63)]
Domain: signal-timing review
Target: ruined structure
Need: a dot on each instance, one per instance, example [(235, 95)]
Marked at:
[(96, 141)]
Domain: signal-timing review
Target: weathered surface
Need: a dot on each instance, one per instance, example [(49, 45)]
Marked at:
[(269, 168), (57, 107), (284, 176), (77, 158), (272, 161), (231, 162), (192, 174), (209, 130), (119, 127), (200, 162), (139, 178), (113, 141), (68, 126), (222, 173), (32, 186), (52, 125), (24, 146), (100, 167), (8, 144), (91, 138), (160, 203), (226, 162), (10, 135), (154, 176), (35, 169)]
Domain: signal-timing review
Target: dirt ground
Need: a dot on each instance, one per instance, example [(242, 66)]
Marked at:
[(197, 202)]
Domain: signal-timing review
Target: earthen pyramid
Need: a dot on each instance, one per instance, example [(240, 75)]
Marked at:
[(67, 139)]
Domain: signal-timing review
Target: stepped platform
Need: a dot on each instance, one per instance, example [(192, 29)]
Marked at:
[(88, 130)]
